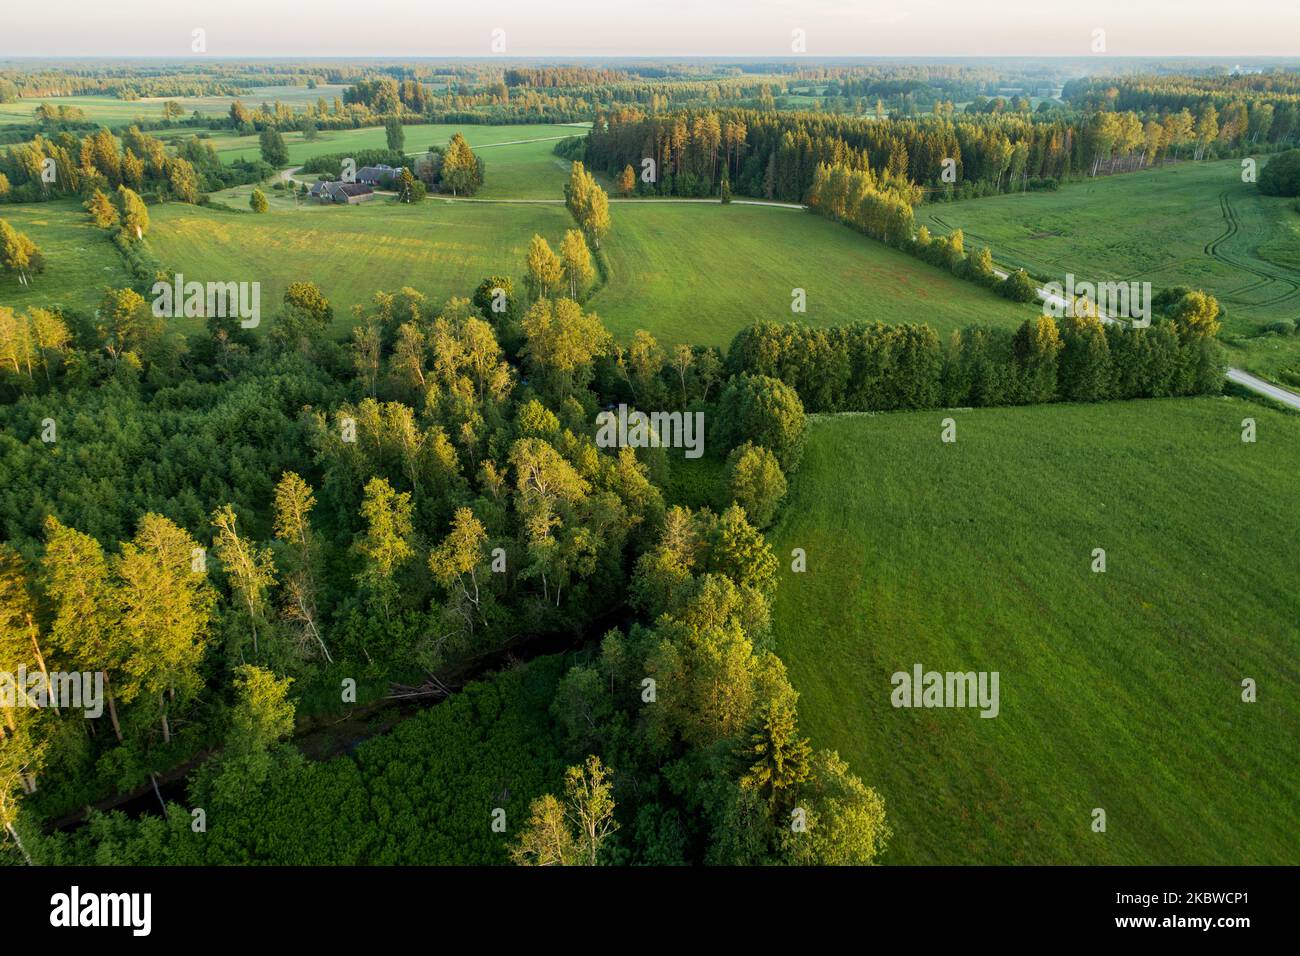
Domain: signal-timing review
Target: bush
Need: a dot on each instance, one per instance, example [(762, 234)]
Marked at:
[(1281, 327), (1018, 287), (1281, 177)]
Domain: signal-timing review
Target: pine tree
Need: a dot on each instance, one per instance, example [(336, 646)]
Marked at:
[(777, 758)]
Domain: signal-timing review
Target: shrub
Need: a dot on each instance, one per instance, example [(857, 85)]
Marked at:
[(1018, 287), (1281, 177)]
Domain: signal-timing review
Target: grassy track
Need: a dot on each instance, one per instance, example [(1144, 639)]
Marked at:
[(80, 259), (693, 272), (1118, 690), (1194, 224)]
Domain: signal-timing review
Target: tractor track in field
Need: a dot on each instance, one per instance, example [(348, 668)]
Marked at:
[(1260, 277), (1264, 276)]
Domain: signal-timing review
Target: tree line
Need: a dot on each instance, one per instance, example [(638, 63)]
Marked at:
[(775, 155), (875, 367), (69, 165)]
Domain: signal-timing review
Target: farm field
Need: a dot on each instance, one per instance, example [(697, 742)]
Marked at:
[(1194, 224), (114, 112), (440, 248), (695, 272), (231, 147), (663, 278), (523, 170), (98, 109), (80, 259), (1118, 690)]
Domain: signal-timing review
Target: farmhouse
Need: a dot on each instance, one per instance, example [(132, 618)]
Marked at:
[(350, 193), (374, 175)]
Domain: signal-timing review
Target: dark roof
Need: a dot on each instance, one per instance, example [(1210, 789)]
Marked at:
[(336, 190), (375, 173)]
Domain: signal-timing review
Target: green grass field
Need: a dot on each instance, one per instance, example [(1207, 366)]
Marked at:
[(1118, 690), (114, 112), (440, 248), (231, 147), (81, 261), (523, 170), (686, 272), (693, 272), (1194, 224)]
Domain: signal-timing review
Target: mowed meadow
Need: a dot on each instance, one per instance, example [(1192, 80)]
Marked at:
[(1118, 690), (686, 272), (80, 260), (442, 249), (700, 272), (1194, 224), (418, 137)]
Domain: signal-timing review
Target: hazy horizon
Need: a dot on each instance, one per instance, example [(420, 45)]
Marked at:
[(241, 29)]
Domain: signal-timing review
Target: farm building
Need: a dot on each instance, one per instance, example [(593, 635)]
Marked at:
[(374, 175), (350, 193)]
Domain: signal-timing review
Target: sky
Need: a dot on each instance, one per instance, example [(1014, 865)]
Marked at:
[(558, 28)]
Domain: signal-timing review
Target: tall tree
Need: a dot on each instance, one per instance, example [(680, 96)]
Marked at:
[(576, 258), (573, 834), (249, 569), (274, 152), (101, 210), (167, 606), (394, 134), (385, 545), (87, 610), (19, 255), (545, 270), (294, 502), (134, 213)]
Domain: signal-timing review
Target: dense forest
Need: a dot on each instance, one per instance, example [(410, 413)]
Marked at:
[(206, 522), (776, 154)]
